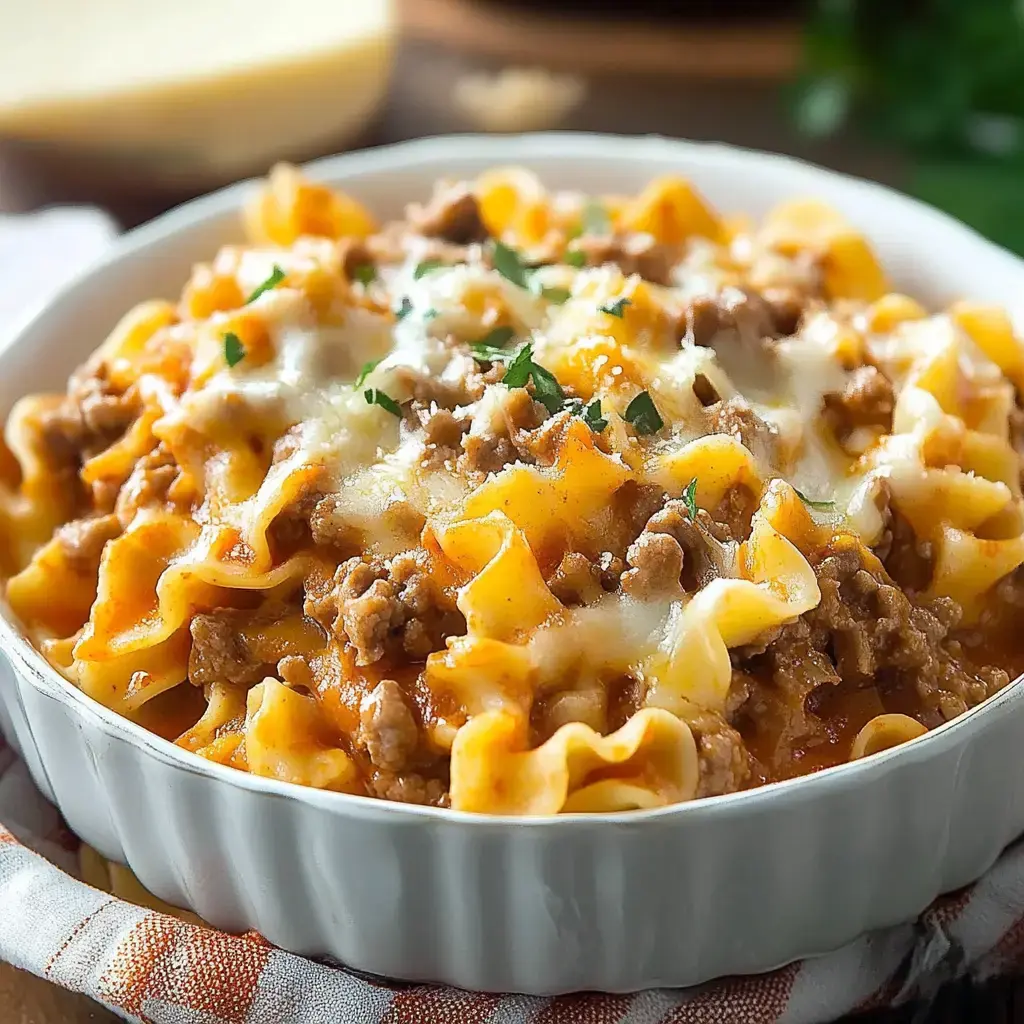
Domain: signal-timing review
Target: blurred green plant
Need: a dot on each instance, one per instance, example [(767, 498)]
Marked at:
[(942, 80)]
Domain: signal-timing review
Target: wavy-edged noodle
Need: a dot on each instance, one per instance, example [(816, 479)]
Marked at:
[(884, 732), (553, 505), (287, 738), (218, 733), (291, 207), (717, 463), (495, 551), (158, 573), (649, 762), (777, 585), (310, 468)]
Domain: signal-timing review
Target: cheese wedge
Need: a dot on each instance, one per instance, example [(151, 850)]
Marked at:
[(193, 87)]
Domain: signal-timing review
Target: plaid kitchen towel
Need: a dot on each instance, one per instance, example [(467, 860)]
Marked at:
[(164, 967)]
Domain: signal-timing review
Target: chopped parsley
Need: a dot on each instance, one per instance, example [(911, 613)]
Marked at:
[(510, 265), (234, 350), (518, 371), (426, 267), (576, 258), (596, 220), (825, 505), (546, 389), (491, 347), (592, 416), (404, 309), (365, 372), (374, 396), (690, 497), (641, 412), (365, 273), (556, 295), (429, 314), (276, 277), (617, 307)]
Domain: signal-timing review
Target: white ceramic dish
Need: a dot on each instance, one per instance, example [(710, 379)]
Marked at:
[(734, 884)]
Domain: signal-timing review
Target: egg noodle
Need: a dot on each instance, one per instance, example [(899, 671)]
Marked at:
[(529, 503)]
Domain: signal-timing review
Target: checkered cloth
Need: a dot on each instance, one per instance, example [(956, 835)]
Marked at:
[(168, 968), (153, 967)]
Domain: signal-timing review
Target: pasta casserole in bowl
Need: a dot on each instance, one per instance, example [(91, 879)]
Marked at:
[(510, 537)]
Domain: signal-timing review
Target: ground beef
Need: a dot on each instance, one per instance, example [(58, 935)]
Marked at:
[(867, 632), (148, 484), (386, 607), (387, 728), (675, 549), (452, 214), (736, 418), (550, 712), (82, 541), (91, 417), (407, 788), (577, 580), (225, 651), (632, 253), (512, 438), (864, 407), (908, 560), (735, 511), (724, 764)]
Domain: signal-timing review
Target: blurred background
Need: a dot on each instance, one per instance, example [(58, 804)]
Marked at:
[(137, 106)]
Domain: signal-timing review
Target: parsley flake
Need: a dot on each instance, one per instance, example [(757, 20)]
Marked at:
[(374, 396), (491, 347), (617, 307), (234, 350), (429, 314), (825, 505), (518, 371), (592, 416), (641, 412), (276, 277), (596, 220), (426, 267), (576, 258), (365, 273), (509, 264), (404, 309), (546, 388), (365, 372), (558, 296), (690, 497)]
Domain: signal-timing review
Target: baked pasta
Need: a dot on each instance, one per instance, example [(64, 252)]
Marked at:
[(530, 502)]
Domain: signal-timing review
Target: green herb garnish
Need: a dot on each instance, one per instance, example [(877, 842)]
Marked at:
[(425, 267), (404, 309), (429, 314), (365, 372), (595, 219), (491, 347), (546, 389), (642, 413), (510, 265), (374, 396), (827, 505), (690, 497), (556, 295), (365, 273), (616, 308), (592, 416), (576, 258), (518, 371), (276, 277), (234, 350)]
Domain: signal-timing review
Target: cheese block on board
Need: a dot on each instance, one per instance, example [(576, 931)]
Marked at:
[(187, 88)]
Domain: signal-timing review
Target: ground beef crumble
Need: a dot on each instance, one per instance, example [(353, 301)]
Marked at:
[(386, 607)]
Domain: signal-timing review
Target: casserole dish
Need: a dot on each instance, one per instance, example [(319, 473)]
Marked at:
[(732, 884)]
